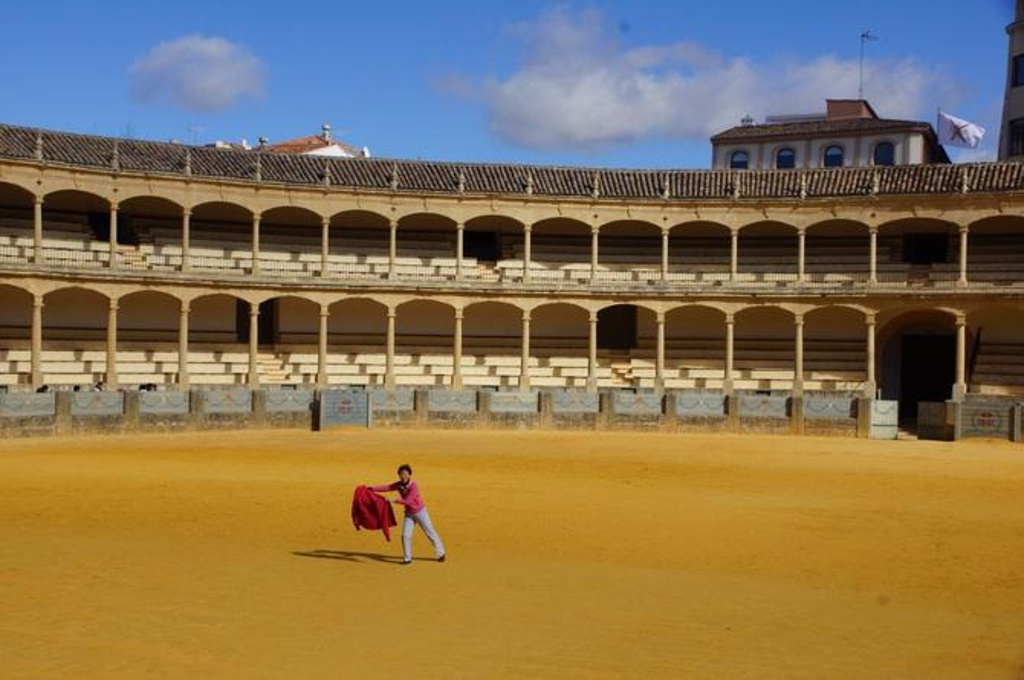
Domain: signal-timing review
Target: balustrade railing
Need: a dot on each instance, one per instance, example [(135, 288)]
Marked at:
[(557, 276)]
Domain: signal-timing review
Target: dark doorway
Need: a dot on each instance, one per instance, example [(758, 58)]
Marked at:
[(927, 370), (616, 327), (925, 248), (483, 246), (267, 324)]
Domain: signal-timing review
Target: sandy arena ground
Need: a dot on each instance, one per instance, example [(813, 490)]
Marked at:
[(571, 556)]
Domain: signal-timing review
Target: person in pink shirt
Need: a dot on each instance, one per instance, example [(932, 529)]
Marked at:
[(415, 513)]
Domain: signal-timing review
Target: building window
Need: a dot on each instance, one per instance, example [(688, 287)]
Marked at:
[(1018, 70), (739, 160), (834, 156), (1016, 138), (885, 154), (785, 159)]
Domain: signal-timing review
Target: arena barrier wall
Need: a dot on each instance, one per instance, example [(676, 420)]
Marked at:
[(64, 413)]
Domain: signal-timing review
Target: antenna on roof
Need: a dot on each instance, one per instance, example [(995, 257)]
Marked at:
[(866, 36)]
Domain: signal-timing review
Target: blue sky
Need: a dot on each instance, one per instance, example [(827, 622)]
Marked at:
[(637, 83)]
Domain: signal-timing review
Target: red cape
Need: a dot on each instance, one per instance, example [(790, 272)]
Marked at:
[(372, 511)]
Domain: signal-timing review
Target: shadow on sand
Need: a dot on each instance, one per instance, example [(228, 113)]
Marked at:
[(351, 556)]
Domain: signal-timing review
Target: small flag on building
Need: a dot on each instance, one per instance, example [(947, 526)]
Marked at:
[(955, 131)]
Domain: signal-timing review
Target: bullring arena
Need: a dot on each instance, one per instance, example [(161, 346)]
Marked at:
[(151, 288)]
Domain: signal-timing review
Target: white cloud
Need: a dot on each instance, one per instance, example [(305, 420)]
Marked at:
[(578, 88), (198, 74)]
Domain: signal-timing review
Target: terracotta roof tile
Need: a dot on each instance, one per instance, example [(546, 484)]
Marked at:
[(497, 179)]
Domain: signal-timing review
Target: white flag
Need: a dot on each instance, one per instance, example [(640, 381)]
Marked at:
[(955, 131)]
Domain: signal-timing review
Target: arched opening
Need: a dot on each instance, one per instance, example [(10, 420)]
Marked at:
[(221, 237), (293, 359), (884, 154), (492, 248), (918, 359), (17, 223), (424, 337), (995, 252), (630, 250), (76, 229), (357, 336), (74, 334), (835, 350), (359, 244), (769, 252), (921, 252), (834, 157), (15, 337), (559, 341), (785, 159), (699, 251), (290, 242), (837, 252), (765, 349), (149, 233), (218, 346), (491, 344), (560, 250), (147, 337), (426, 246), (995, 358), (739, 160), (695, 348)]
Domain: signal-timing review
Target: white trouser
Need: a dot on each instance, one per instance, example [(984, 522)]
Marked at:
[(423, 519)]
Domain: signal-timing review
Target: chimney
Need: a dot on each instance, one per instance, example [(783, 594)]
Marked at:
[(848, 109), (325, 132)]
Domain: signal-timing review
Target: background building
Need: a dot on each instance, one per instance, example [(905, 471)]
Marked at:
[(848, 134)]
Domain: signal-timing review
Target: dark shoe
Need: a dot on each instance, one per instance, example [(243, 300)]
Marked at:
[(442, 558), (405, 562)]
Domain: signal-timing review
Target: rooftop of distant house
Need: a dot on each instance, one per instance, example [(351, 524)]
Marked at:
[(842, 117)]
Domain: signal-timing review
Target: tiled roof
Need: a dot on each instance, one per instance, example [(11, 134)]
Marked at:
[(376, 174), (805, 128), (312, 143)]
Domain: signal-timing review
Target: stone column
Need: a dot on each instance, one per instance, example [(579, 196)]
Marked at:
[(960, 389), (37, 231), (664, 256), (592, 353), (325, 244), (37, 341), (457, 352), (254, 339), (870, 385), (186, 239), (801, 266), (255, 243), (730, 342), (734, 261), (964, 231), (321, 349), (183, 314), (524, 363), (392, 247), (460, 230), (873, 255), (798, 368), (527, 247), (113, 236), (111, 378), (595, 239), (389, 361), (659, 366)]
